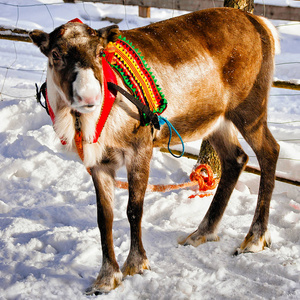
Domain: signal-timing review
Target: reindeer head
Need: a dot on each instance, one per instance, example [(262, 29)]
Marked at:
[(74, 64)]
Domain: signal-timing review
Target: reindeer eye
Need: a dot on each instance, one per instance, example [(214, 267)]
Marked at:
[(101, 52), (55, 56)]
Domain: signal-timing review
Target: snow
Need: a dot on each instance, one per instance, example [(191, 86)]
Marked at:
[(49, 240), (292, 3)]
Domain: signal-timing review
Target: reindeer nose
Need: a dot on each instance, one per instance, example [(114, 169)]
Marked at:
[(88, 94), (88, 101), (86, 90)]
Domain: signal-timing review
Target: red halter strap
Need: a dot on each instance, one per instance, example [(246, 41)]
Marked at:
[(108, 99)]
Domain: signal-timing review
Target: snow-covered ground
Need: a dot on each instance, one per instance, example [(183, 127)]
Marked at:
[(49, 240)]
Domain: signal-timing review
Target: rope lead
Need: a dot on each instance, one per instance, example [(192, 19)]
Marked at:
[(162, 121)]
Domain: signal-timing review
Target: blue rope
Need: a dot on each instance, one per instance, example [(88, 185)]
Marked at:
[(163, 121)]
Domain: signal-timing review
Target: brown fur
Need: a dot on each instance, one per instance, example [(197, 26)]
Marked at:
[(215, 68)]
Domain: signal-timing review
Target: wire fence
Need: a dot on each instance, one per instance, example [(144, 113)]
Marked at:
[(40, 73)]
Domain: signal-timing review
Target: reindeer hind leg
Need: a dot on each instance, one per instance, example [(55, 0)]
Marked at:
[(233, 160), (267, 152)]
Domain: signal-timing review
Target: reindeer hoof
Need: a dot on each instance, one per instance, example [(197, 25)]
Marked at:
[(104, 284), (132, 268), (91, 291), (195, 239), (254, 244)]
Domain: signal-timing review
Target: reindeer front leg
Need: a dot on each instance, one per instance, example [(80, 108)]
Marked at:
[(138, 173), (110, 275)]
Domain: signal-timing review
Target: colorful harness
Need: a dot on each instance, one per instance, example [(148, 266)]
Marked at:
[(136, 75)]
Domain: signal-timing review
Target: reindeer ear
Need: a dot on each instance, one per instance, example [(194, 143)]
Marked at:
[(108, 34), (40, 39)]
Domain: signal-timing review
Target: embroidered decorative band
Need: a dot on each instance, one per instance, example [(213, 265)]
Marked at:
[(132, 67)]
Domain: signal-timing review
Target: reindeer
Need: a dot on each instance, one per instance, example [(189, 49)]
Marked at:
[(215, 68)]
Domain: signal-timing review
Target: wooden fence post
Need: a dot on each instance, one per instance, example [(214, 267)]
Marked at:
[(144, 11)]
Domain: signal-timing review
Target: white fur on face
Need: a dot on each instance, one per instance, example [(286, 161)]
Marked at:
[(86, 91)]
